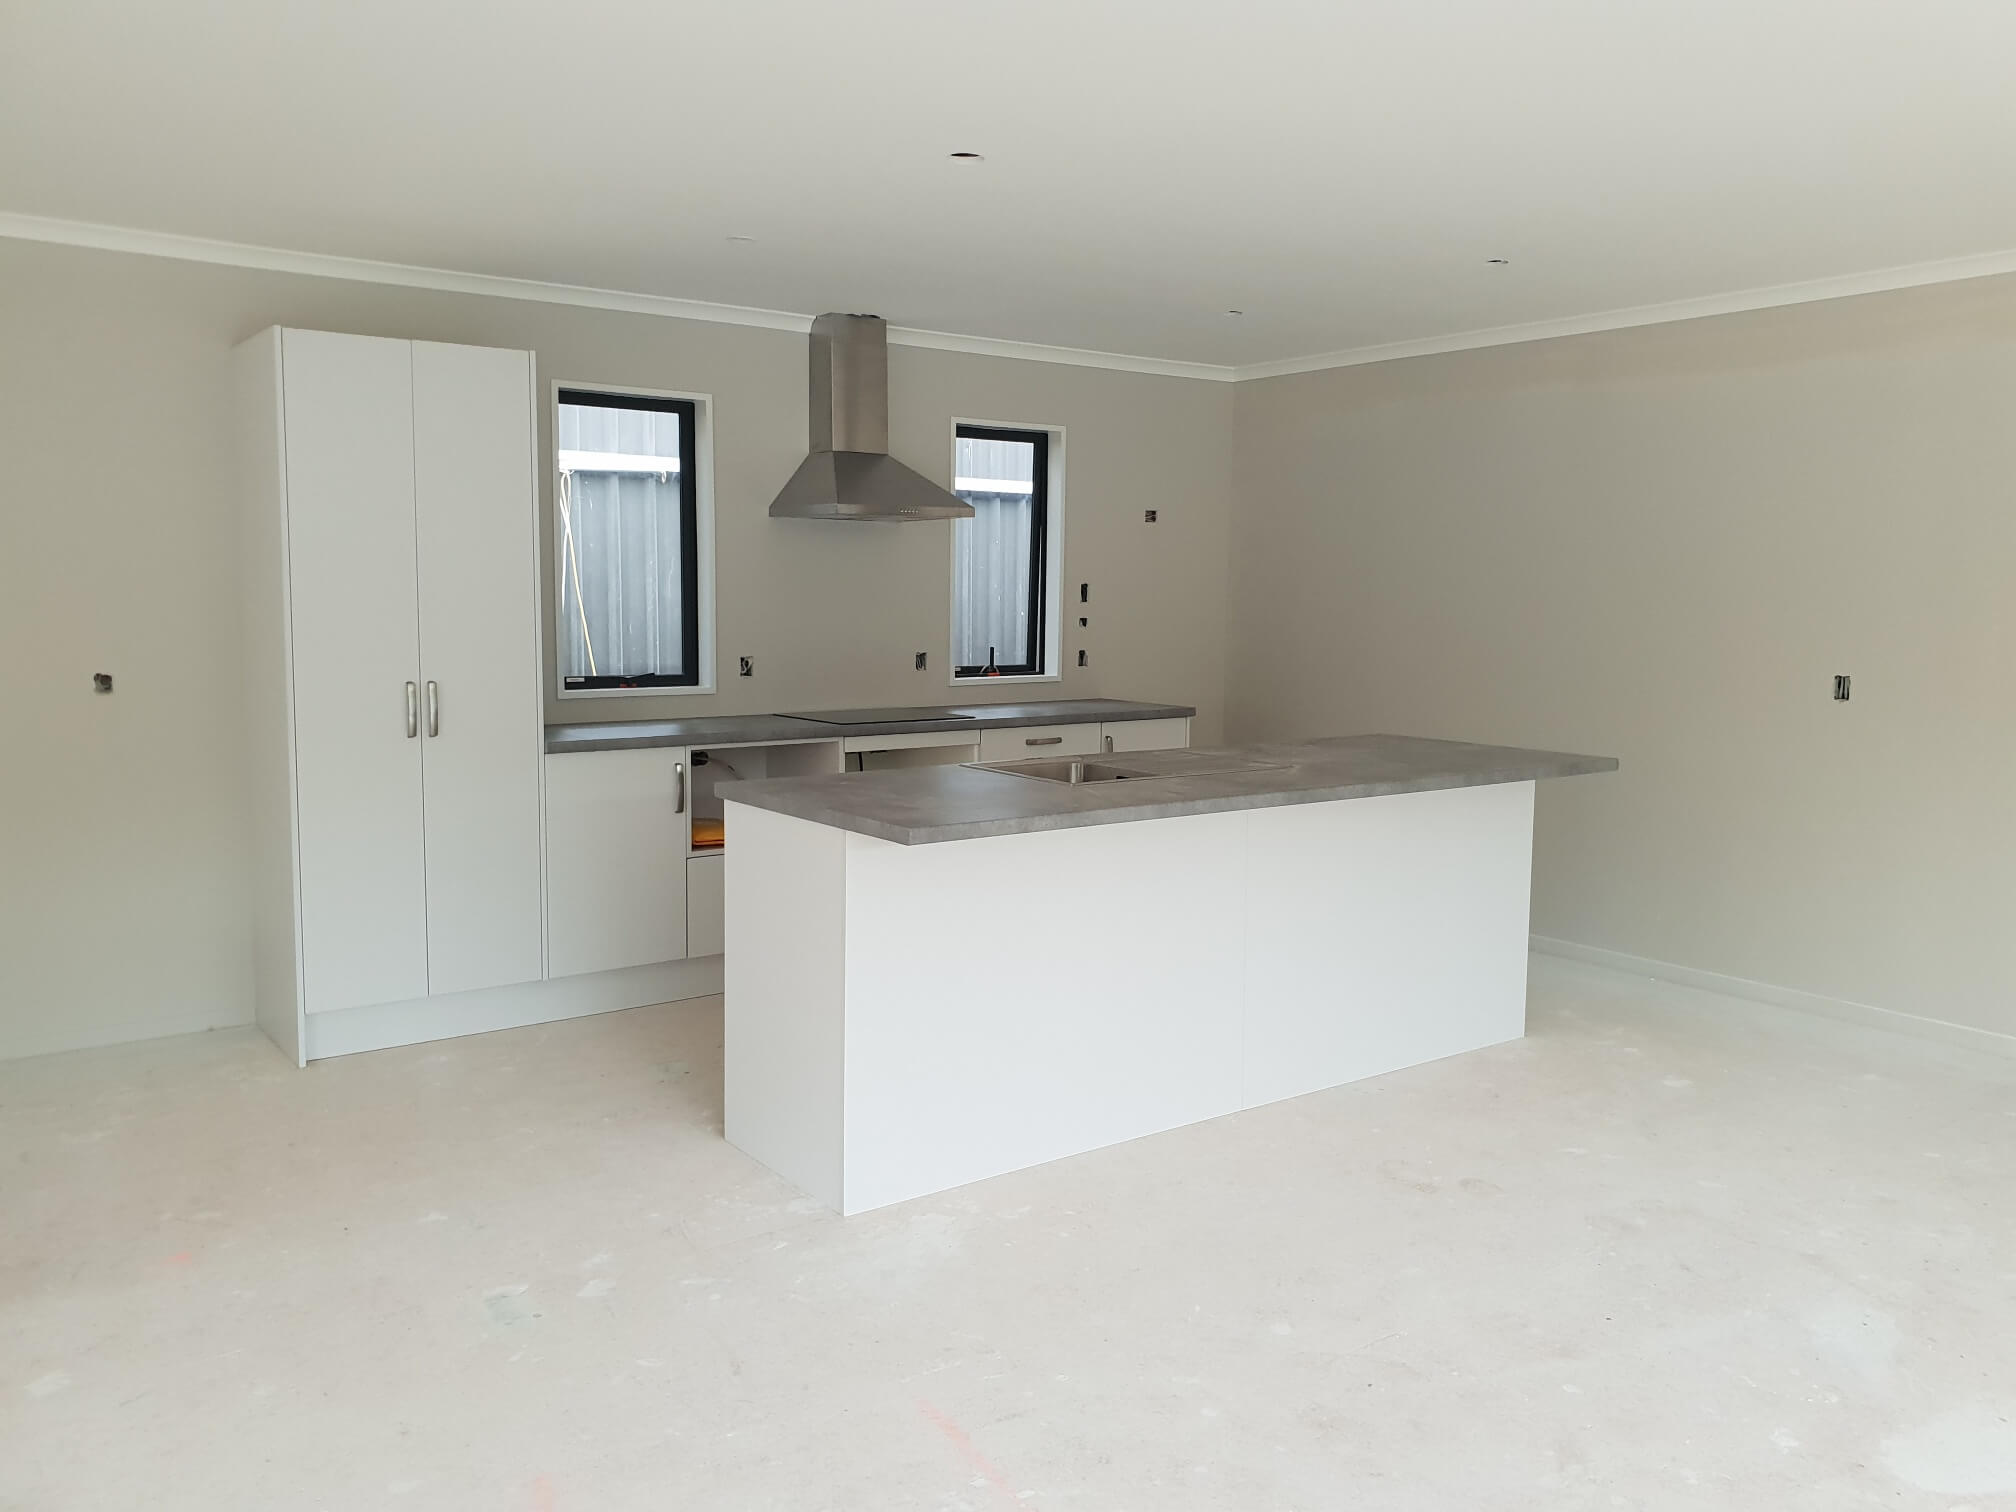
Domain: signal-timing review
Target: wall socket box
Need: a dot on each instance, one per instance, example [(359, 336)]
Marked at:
[(747, 665), (920, 661)]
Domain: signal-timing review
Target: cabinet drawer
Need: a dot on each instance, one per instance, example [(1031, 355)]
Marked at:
[(1031, 741), (1147, 734), (704, 930), (902, 742)]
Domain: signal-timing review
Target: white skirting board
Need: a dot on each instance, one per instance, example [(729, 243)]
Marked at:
[(1868, 1015), (381, 1026)]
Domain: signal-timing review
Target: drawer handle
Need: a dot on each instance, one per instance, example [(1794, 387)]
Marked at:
[(1044, 740)]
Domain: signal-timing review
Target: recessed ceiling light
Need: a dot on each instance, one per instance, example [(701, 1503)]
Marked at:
[(1499, 262), (967, 157)]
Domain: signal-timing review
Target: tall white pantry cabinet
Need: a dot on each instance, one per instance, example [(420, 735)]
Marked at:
[(393, 679)]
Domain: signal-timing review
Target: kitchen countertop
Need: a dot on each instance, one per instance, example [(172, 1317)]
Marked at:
[(752, 729), (926, 805)]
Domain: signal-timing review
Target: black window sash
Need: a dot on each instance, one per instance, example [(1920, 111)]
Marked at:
[(689, 539), (1031, 663)]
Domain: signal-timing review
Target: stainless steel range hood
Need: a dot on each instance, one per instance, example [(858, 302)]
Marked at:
[(850, 474)]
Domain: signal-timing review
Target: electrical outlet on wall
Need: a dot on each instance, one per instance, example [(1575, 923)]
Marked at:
[(747, 666), (920, 661)]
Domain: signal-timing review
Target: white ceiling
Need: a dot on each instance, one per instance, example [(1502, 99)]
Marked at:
[(1338, 169)]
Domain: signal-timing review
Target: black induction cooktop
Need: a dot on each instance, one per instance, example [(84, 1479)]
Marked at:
[(877, 716)]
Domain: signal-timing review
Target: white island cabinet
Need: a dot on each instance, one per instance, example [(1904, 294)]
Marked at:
[(938, 976)]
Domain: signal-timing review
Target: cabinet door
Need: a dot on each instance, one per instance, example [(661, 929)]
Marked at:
[(1028, 742), (616, 849), (1146, 734), (479, 661), (706, 904), (353, 606)]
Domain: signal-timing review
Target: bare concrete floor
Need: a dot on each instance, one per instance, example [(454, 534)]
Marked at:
[(1669, 1251)]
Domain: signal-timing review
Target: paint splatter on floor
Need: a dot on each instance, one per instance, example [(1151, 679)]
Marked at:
[(963, 1445)]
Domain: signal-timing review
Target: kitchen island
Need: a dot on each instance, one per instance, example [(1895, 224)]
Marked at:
[(941, 974)]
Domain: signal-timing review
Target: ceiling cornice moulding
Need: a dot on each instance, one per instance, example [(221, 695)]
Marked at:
[(406, 275), (365, 270), (1774, 296)]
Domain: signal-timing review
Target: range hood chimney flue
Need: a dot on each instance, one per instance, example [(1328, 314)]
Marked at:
[(850, 474)]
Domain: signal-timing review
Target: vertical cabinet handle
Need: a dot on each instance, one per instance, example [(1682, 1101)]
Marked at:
[(1109, 745), (433, 707), (678, 787), (412, 711)]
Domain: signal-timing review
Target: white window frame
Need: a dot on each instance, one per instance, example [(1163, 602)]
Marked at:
[(703, 532), (1053, 562)]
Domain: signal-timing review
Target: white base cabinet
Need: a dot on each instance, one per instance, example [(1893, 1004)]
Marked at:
[(1029, 742), (392, 648), (617, 837), (624, 888), (1145, 734)]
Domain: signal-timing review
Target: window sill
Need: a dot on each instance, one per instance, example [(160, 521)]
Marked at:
[(1019, 677), (679, 692)]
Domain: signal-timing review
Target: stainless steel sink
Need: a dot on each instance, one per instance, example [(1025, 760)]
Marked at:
[(1078, 770), (1073, 770)]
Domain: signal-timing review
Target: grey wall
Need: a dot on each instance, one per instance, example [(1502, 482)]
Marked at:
[(123, 885), (1661, 544)]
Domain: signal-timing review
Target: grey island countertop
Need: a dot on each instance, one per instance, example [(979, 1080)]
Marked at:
[(926, 805), (758, 729)]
